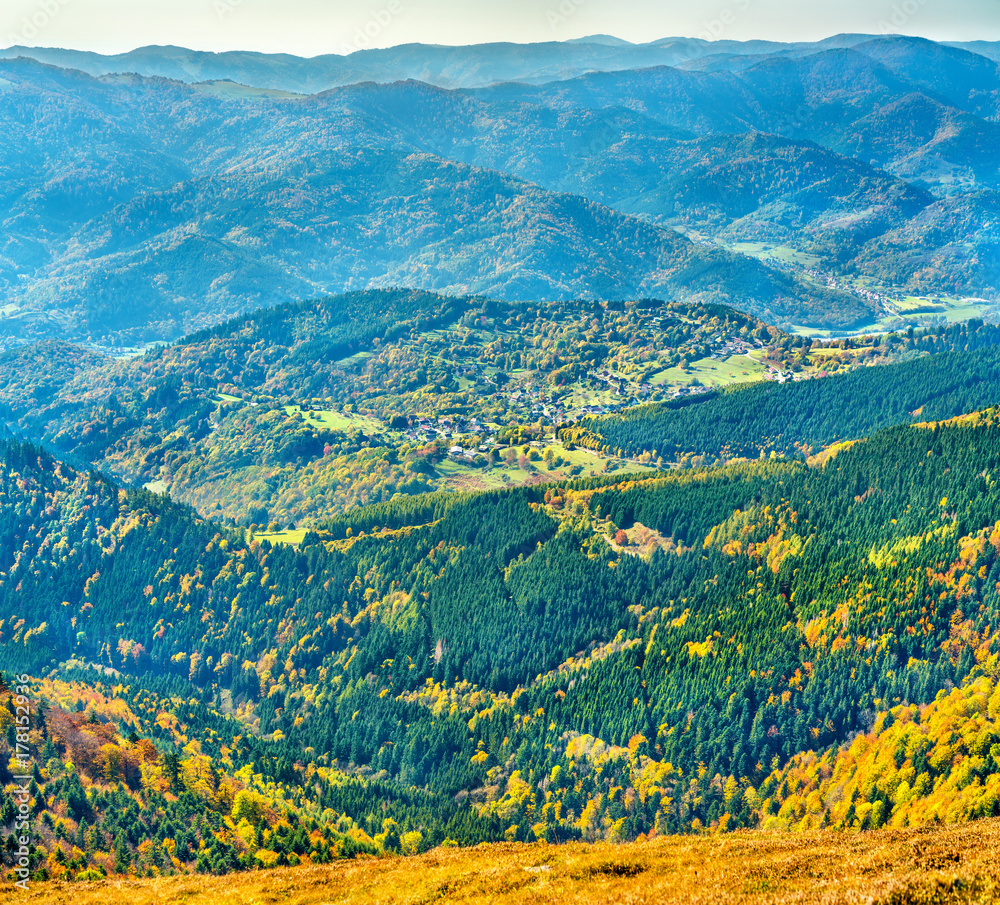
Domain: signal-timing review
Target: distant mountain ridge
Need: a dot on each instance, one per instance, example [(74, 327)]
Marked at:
[(470, 66), (349, 219)]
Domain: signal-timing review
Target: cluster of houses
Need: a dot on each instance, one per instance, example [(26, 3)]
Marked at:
[(602, 409), (825, 279), (533, 402), (779, 376), (735, 346), (426, 430)]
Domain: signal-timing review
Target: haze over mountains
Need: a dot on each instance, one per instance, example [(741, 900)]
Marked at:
[(876, 157), (473, 66)]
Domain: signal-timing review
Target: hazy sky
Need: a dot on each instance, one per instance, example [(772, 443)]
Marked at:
[(309, 27)]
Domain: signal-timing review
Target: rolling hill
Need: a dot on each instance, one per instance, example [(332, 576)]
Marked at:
[(290, 414), (486, 499)]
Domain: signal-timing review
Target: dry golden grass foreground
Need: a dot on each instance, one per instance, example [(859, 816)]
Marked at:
[(955, 864)]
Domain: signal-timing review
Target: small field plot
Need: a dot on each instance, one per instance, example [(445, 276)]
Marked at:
[(812, 332), (290, 538), (916, 305), (233, 91), (565, 464), (963, 309), (920, 310), (589, 462), (355, 359), (713, 372), (784, 253), (338, 421)]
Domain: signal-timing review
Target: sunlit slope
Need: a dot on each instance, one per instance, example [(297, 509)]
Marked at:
[(932, 867)]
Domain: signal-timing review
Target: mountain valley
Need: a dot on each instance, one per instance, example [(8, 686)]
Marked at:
[(551, 472)]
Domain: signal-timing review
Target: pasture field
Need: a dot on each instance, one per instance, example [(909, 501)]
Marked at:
[(461, 476), (784, 253), (355, 359), (232, 91), (340, 421), (938, 865), (291, 538), (713, 372), (912, 304)]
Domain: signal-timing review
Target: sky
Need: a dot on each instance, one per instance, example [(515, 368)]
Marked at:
[(311, 27)]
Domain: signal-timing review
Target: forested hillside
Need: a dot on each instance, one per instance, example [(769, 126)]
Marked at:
[(278, 199), (450, 67), (588, 443), (294, 414), (598, 659)]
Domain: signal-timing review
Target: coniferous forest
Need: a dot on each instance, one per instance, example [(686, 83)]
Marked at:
[(598, 659)]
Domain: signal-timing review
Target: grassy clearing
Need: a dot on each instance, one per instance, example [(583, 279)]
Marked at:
[(809, 332), (233, 91), (642, 541), (290, 538), (932, 866), (916, 305), (919, 310), (339, 421), (355, 359), (784, 253), (580, 395), (713, 372), (461, 476), (963, 309), (910, 309)]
